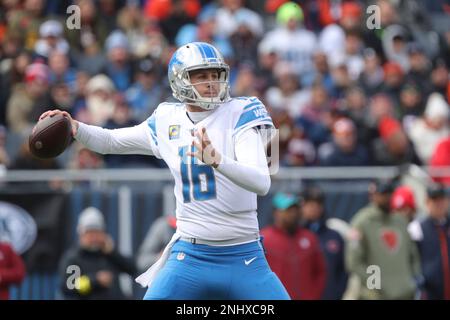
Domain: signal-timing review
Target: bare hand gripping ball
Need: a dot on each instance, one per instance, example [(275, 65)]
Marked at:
[(50, 137)]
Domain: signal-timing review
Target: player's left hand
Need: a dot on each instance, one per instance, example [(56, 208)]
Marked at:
[(204, 150)]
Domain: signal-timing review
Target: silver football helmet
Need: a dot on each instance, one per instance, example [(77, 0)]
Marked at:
[(196, 56)]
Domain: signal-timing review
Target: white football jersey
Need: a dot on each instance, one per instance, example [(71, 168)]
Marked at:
[(209, 205)]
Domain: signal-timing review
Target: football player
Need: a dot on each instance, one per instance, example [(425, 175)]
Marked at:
[(214, 147)]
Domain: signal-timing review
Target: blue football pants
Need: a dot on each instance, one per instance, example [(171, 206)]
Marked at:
[(202, 272)]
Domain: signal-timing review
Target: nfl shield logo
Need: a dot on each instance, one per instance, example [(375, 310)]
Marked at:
[(174, 132)]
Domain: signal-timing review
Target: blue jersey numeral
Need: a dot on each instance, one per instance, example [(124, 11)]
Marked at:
[(201, 178)]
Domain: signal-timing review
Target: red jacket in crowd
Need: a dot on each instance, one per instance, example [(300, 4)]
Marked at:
[(12, 269), (441, 157), (297, 260)]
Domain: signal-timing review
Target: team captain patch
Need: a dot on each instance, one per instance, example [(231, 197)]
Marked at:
[(174, 132)]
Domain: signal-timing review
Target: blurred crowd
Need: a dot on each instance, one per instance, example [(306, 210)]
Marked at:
[(390, 249), (341, 92)]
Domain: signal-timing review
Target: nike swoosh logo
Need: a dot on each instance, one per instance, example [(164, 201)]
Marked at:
[(247, 262)]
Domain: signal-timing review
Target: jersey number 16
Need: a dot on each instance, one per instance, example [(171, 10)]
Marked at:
[(198, 179)]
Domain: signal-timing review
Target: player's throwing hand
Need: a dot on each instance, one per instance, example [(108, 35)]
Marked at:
[(204, 150), (55, 112)]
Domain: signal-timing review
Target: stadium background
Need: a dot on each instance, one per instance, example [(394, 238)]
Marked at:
[(34, 78)]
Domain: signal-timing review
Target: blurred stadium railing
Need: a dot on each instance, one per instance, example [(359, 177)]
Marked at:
[(132, 199)]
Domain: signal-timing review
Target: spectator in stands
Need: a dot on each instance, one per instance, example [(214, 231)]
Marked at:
[(266, 60), (62, 96), (393, 147), (321, 73), (24, 22), (318, 107), (246, 82), (441, 158), (372, 76), (347, 18), (393, 80), (246, 37), (90, 58), (403, 202), (381, 238), (293, 252), (29, 98), (433, 238), (344, 150), (121, 118), (419, 67), (60, 70), (118, 66), (411, 102), (171, 15), (300, 151), (99, 100), (331, 242), (294, 44), (426, 132), (340, 75), (439, 77), (395, 46), (205, 31), (12, 269), (286, 128), (12, 72), (355, 107), (156, 239), (93, 27), (132, 23), (354, 54), (230, 15), (98, 260), (83, 158), (51, 39), (146, 92), (287, 94)]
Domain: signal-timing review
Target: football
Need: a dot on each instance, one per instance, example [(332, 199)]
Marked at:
[(50, 137)]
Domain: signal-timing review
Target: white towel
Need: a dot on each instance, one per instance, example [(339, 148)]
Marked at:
[(148, 276)]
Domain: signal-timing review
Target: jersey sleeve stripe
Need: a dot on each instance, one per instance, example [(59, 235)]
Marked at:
[(253, 104), (252, 115), (152, 125)]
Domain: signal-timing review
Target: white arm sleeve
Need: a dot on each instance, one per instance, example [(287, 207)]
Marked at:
[(250, 170), (131, 140)]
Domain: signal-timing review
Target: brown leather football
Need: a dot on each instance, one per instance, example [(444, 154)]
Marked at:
[(50, 137)]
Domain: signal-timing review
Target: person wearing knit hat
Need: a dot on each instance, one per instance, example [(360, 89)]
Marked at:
[(37, 72), (288, 13), (393, 147), (426, 132), (29, 98), (97, 259), (90, 219), (51, 39), (284, 40), (388, 127), (99, 99), (118, 65), (403, 202)]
